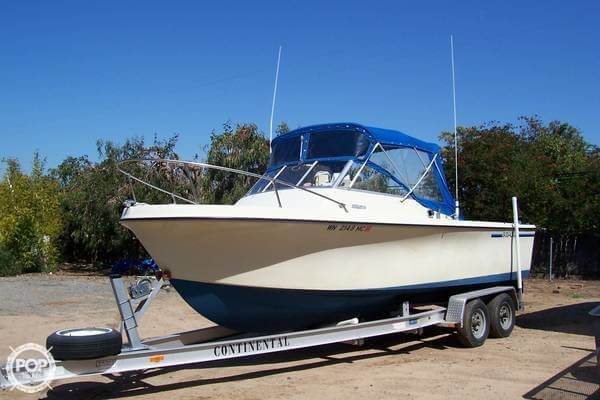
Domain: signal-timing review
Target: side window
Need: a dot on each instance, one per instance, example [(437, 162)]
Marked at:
[(429, 189), (408, 165), (402, 162), (372, 180)]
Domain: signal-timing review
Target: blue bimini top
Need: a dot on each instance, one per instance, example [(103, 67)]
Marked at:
[(350, 141)]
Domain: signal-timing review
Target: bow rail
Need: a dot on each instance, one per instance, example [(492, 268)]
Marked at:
[(216, 167)]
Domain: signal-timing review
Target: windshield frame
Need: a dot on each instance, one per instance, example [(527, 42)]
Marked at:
[(366, 161)]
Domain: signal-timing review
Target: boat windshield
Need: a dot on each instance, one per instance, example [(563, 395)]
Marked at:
[(370, 177), (398, 171), (314, 174)]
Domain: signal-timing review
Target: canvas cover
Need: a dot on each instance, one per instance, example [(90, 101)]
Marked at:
[(351, 141)]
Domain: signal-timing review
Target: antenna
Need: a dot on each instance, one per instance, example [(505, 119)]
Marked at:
[(273, 104), (456, 203)]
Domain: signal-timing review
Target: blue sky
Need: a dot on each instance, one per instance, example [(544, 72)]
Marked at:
[(75, 72)]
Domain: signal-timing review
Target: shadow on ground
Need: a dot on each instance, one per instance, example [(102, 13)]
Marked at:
[(572, 318), (135, 383), (580, 381)]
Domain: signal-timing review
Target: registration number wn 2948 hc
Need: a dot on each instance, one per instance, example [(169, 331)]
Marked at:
[(349, 228)]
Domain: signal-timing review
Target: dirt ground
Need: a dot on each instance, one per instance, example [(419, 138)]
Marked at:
[(549, 354)]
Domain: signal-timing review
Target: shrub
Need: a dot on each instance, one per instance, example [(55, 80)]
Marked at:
[(29, 220)]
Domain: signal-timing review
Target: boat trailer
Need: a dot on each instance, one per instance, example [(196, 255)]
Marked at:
[(219, 343)]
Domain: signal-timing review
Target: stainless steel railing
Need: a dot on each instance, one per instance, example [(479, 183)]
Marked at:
[(216, 167)]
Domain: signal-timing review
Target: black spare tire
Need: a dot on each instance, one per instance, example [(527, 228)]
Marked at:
[(84, 343)]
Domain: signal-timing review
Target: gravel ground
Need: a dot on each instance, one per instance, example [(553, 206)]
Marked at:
[(44, 294), (547, 356)]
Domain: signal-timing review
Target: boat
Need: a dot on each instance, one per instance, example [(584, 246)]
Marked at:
[(347, 222)]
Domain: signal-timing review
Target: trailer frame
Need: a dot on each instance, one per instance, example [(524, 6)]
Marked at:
[(219, 343)]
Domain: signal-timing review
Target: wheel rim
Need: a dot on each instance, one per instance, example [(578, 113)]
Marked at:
[(478, 324), (505, 316), (83, 332)]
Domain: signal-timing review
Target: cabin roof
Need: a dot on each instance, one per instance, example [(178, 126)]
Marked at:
[(383, 136)]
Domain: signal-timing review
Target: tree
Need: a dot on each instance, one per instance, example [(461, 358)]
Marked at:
[(243, 148), (489, 158), (282, 128), (29, 219), (533, 161), (92, 199)]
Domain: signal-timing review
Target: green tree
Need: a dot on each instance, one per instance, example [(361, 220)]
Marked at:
[(243, 148), (489, 159), (536, 162), (282, 128), (92, 199), (29, 219)]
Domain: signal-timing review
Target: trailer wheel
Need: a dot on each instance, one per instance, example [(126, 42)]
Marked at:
[(502, 315), (475, 325), (84, 343)]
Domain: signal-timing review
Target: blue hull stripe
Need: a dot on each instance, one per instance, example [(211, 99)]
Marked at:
[(499, 235), (254, 309)]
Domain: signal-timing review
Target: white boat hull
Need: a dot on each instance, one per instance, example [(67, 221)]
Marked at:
[(222, 265), (320, 255)]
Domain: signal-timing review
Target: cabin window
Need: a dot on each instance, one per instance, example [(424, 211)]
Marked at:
[(337, 144)]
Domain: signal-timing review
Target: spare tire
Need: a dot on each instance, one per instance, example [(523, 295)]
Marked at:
[(84, 343)]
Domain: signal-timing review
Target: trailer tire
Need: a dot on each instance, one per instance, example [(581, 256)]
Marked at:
[(475, 326), (84, 343), (502, 315)]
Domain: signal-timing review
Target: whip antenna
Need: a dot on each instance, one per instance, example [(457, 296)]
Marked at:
[(273, 103), (456, 203)]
